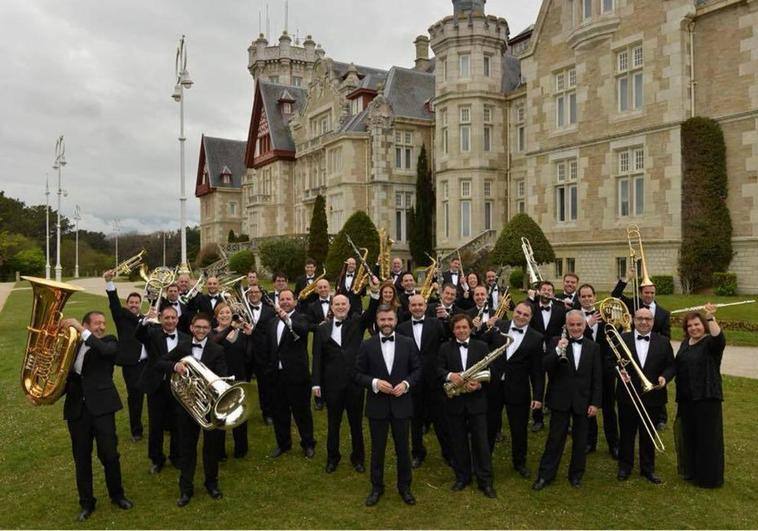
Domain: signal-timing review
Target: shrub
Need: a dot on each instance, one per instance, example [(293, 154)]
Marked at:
[(242, 261), (664, 284), (725, 283), (28, 261), (508, 251), (363, 233), (283, 254), (207, 255), (516, 280)]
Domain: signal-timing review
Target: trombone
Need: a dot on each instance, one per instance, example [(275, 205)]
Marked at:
[(535, 277), (623, 359), (633, 233)]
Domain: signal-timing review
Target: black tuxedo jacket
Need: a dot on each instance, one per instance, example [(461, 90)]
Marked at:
[(315, 314), (575, 305), (185, 318), (433, 334), (661, 319), (151, 335), (554, 326), (449, 360), (129, 348), (571, 389), (356, 304), (258, 341), (291, 353), (406, 367), (659, 362), (447, 277), (212, 357), (472, 312), (300, 284), (431, 311), (95, 385), (522, 369), (237, 354), (201, 303)]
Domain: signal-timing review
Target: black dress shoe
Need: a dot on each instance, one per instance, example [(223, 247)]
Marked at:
[(137, 438), (539, 484), (523, 471), (331, 466), (85, 513), (373, 498), (575, 482), (268, 421), (156, 468), (590, 448), (652, 478), (407, 497), (622, 475), (123, 503), (488, 491), (458, 486), (358, 467), (277, 452), (183, 500), (537, 426), (309, 452), (417, 462), (214, 493), (614, 451)]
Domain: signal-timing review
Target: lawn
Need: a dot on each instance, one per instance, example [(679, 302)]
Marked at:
[(37, 488)]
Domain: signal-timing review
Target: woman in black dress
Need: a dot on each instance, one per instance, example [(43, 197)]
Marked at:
[(699, 425)]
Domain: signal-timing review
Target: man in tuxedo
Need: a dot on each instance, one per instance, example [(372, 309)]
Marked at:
[(493, 290), (595, 331), (303, 282), (516, 382), (335, 345), (288, 360), (264, 376), (159, 340), (345, 286), (446, 307), (653, 354), (481, 313), (388, 365), (206, 303), (280, 284), (408, 283), (574, 393), (211, 355), (661, 319), (132, 353), (548, 319), (570, 294), (172, 299), (454, 275), (183, 281), (318, 311), (396, 273), (89, 409), (467, 412), (428, 398)]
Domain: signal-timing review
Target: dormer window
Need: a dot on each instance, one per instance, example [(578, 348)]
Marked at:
[(286, 108), (356, 105), (226, 175)]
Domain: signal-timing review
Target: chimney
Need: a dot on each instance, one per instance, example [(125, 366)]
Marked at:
[(422, 53)]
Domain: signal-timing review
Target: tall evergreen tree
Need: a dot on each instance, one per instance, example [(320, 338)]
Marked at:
[(422, 228), (363, 233), (318, 234)]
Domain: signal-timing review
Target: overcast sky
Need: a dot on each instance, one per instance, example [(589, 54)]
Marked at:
[(102, 72)]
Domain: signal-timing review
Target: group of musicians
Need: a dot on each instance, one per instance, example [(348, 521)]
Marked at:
[(555, 356)]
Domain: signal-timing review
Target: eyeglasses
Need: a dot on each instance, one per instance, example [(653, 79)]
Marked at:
[(643, 318)]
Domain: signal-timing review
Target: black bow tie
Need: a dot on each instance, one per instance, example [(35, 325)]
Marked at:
[(197, 345), (170, 336), (464, 344), (573, 340), (214, 297), (646, 306), (420, 321), (324, 301), (308, 278), (546, 308), (348, 275), (255, 308), (494, 289), (589, 312), (337, 323), (643, 338), (519, 330), (388, 338), (175, 303)]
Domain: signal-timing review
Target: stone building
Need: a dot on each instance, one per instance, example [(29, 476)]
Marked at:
[(576, 121)]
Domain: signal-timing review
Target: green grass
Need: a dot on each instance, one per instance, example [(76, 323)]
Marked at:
[(37, 487)]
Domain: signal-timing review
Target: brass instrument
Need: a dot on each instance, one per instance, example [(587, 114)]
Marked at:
[(385, 250), (503, 304), (157, 281), (633, 232), (462, 274), (130, 264), (50, 351), (183, 269), (218, 269), (361, 275), (478, 372), (267, 299), (430, 278), (310, 288), (236, 299), (722, 305), (615, 312), (562, 357), (535, 277), (623, 359), (209, 399)]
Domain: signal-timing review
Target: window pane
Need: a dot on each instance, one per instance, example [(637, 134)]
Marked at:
[(521, 138), (639, 196), (639, 159), (570, 265), (623, 162), (561, 171), (487, 188), (637, 56), (623, 197), (399, 225), (559, 267), (607, 5), (408, 158), (623, 59), (465, 115), (560, 203), (398, 137), (623, 94), (398, 199), (521, 207), (638, 90), (572, 108), (487, 65), (587, 8), (398, 157), (464, 64), (487, 139), (446, 218), (573, 170), (574, 206), (488, 215), (444, 140), (465, 141), (572, 77), (560, 112), (465, 218), (559, 82)]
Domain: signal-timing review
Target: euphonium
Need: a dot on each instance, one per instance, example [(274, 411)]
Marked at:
[(478, 372), (361, 275), (615, 312), (385, 252), (430, 277), (310, 288), (50, 351), (130, 264), (209, 399)]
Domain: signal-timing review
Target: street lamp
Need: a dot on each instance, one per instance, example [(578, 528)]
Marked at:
[(60, 161), (183, 81), (77, 218), (47, 227), (116, 228)]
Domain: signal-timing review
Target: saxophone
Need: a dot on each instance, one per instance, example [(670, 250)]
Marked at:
[(385, 251), (310, 288), (478, 372), (430, 277), (361, 275)]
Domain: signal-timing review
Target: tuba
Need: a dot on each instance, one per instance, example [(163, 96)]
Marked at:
[(385, 251), (532, 270), (50, 351), (632, 234), (430, 278), (478, 372), (615, 312), (209, 399), (310, 288)]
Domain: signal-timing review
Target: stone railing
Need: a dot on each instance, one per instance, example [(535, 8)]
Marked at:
[(475, 246)]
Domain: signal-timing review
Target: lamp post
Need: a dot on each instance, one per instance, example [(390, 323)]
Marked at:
[(77, 217), (183, 81), (164, 247), (115, 231), (47, 227), (60, 161)]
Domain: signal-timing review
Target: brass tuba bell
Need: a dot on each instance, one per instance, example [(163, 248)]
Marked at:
[(50, 351)]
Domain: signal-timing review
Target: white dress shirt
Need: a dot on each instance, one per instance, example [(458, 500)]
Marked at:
[(280, 331), (110, 286), (337, 332), (642, 347), (576, 349), (495, 296), (197, 353), (171, 343), (517, 339), (388, 353), (79, 361), (454, 278), (463, 351), (417, 329), (177, 307), (324, 307), (546, 315), (349, 281)]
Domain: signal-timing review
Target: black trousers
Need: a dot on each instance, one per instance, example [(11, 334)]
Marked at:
[(350, 399), (293, 400), (495, 403), (135, 397), (239, 436), (556, 441), (161, 412), (379, 429), (101, 429), (266, 383), (610, 419), (428, 407), (630, 424), (189, 433), (700, 442), (518, 422), (471, 450)]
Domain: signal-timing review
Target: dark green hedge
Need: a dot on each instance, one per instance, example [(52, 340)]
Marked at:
[(725, 283), (664, 284)]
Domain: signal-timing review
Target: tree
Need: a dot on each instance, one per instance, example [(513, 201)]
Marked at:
[(363, 233), (19, 253), (318, 235), (508, 250), (286, 255), (242, 261), (421, 230), (231, 237)]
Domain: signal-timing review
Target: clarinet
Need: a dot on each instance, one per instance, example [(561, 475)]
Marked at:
[(275, 306)]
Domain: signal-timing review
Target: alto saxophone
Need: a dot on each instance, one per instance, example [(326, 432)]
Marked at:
[(478, 372)]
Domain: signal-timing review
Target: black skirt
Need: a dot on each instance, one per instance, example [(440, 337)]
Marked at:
[(699, 434)]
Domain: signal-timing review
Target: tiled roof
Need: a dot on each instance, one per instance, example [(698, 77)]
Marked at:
[(271, 93), (221, 154), (408, 91)]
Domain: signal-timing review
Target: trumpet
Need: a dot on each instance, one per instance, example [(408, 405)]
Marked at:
[(130, 264), (535, 277), (623, 359), (722, 305)]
